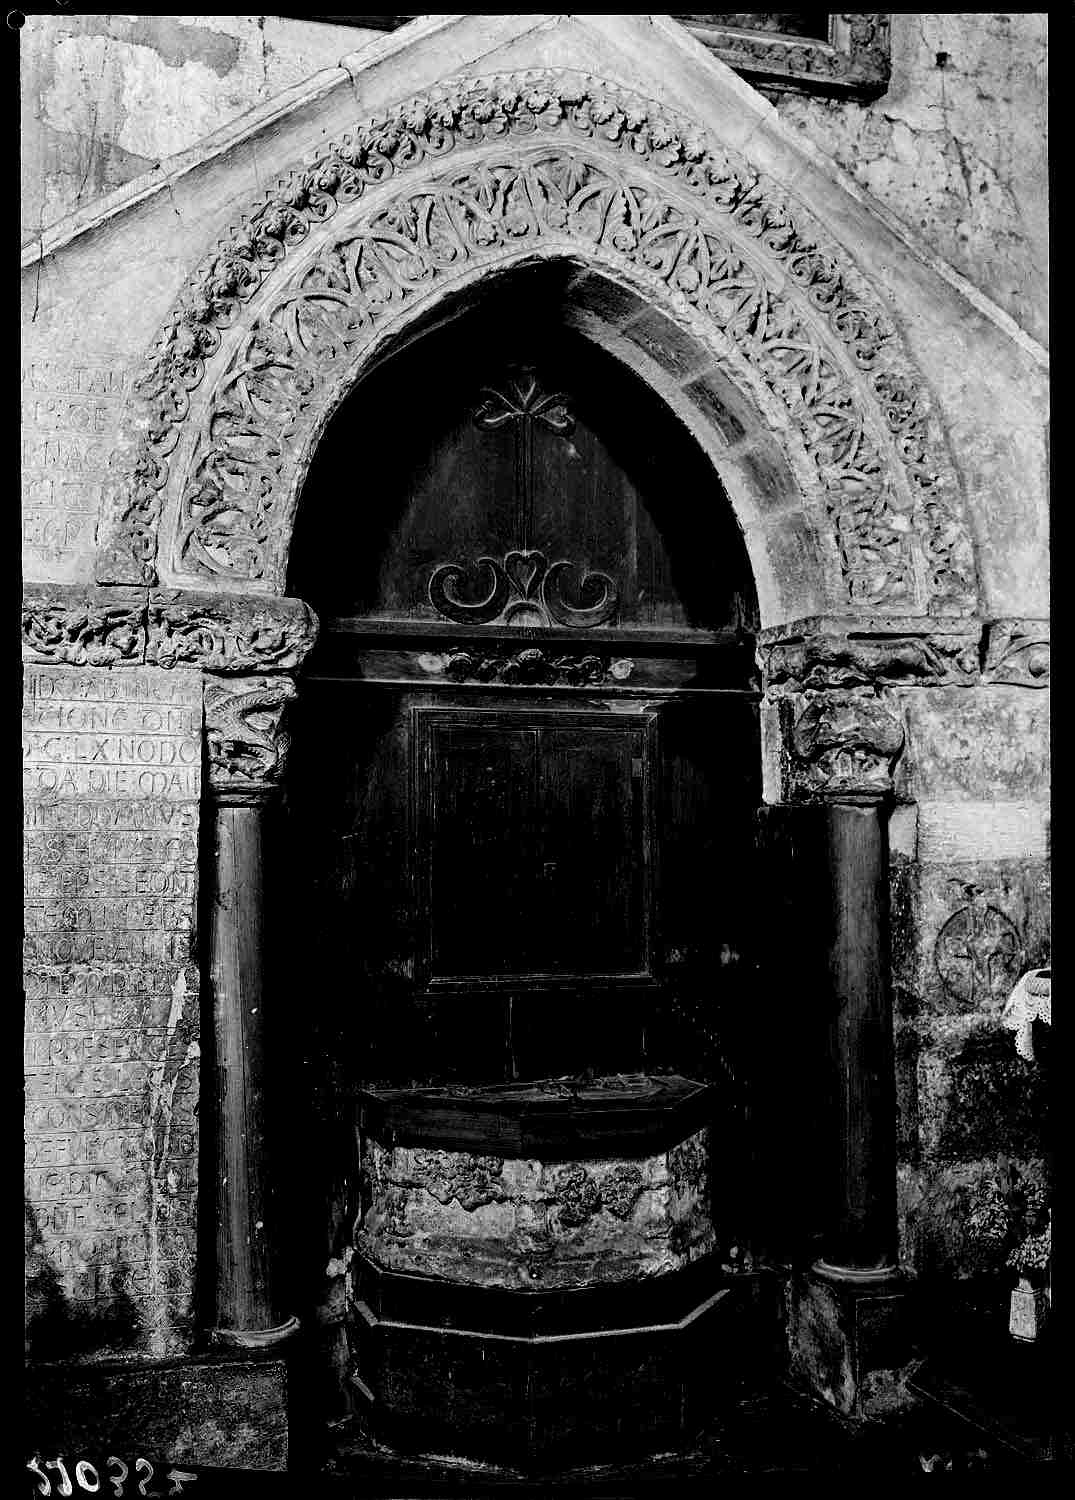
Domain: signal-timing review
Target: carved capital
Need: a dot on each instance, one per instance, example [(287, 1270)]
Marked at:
[(1017, 653), (843, 746), (247, 744), (826, 654)]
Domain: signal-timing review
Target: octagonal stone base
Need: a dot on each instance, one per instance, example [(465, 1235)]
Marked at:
[(535, 1279)]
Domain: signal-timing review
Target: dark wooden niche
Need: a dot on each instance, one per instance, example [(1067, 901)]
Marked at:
[(519, 814), (525, 753)]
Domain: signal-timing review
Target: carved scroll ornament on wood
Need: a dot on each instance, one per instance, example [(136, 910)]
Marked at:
[(523, 588)]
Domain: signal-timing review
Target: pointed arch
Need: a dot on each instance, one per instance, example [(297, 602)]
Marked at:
[(317, 279)]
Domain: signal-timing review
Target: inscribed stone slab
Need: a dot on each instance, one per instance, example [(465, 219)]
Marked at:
[(71, 409), (111, 782)]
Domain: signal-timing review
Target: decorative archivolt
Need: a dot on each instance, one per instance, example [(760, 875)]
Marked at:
[(565, 165)]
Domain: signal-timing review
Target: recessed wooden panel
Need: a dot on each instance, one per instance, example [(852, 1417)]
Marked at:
[(544, 488), (533, 848)]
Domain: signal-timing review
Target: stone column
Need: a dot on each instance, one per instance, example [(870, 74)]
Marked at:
[(844, 745), (247, 751)]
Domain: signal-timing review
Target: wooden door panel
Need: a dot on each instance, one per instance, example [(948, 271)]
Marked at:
[(533, 846), (593, 850), (482, 850)]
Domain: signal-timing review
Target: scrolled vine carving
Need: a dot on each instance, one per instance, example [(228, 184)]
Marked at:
[(108, 627), (247, 744), (570, 160), (84, 628), (1018, 653), (844, 746), (532, 666), (241, 635), (524, 590)]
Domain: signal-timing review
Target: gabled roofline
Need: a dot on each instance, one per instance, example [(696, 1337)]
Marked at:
[(380, 49)]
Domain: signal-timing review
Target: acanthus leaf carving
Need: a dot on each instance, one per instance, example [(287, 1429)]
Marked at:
[(246, 741), (825, 346)]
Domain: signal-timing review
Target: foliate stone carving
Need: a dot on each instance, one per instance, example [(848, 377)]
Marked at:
[(844, 746), (853, 60), (621, 1189), (847, 660), (531, 666), (525, 589), (580, 1195), (243, 724), (470, 1180), (576, 163), (111, 627), (577, 1196), (84, 627), (237, 635), (979, 952), (1017, 653)]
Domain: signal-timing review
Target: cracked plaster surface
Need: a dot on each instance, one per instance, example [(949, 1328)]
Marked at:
[(957, 147), (106, 97)]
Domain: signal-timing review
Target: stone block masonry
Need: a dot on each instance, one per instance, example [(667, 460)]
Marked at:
[(112, 780)]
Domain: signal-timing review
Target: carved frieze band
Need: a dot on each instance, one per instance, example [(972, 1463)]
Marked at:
[(1017, 653), (853, 60), (820, 654), (244, 732), (532, 666), (110, 627), (575, 161)]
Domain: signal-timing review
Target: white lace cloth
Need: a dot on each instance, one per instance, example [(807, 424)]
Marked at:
[(1030, 1001)]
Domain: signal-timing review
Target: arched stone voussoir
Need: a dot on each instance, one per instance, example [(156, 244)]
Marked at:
[(286, 313)]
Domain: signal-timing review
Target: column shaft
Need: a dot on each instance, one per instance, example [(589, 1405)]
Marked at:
[(246, 1310), (863, 1240)]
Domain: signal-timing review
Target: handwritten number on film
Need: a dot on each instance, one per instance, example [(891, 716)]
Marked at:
[(88, 1479)]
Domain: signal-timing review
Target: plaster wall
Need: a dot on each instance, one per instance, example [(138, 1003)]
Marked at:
[(957, 147), (105, 98)]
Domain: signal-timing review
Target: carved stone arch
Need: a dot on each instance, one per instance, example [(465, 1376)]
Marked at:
[(288, 310)]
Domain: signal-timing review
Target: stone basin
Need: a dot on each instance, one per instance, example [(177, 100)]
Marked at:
[(535, 1267), (556, 1183)]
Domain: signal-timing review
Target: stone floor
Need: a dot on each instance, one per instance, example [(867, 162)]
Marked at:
[(778, 1432)]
